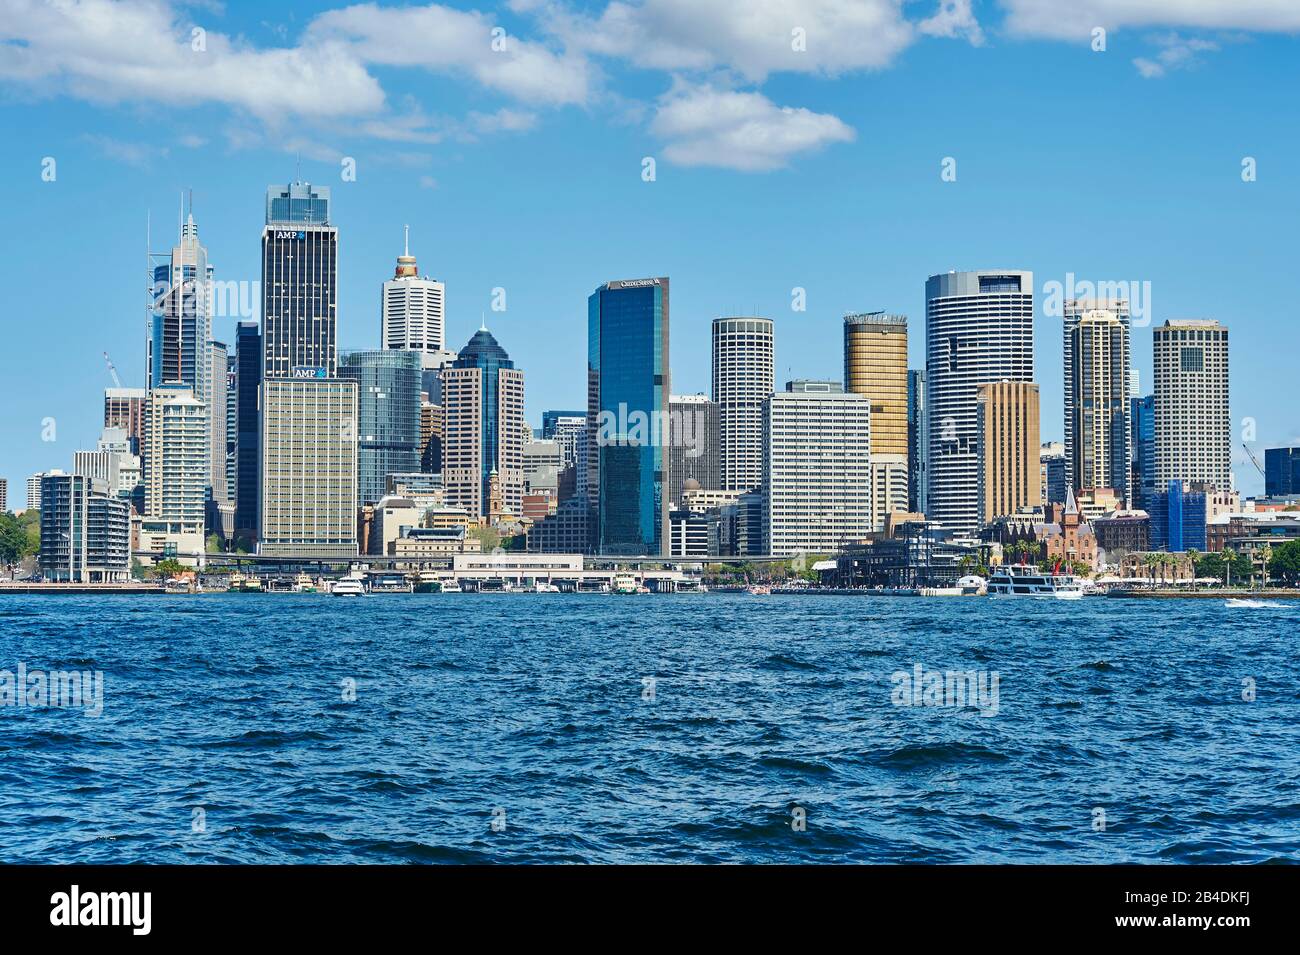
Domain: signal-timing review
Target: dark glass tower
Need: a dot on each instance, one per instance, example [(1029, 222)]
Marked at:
[(248, 380), (388, 416), (299, 283), (627, 415)]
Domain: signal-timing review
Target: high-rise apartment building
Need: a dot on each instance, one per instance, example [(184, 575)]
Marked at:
[(1010, 476), (692, 444), (33, 502), (744, 376), (4, 495), (1098, 437), (628, 389), (1072, 312), (875, 366), (483, 405), (817, 476), (979, 329), (85, 531), (175, 459), (1193, 427), (388, 416)]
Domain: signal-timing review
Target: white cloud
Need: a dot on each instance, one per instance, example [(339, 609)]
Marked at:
[(143, 50), (456, 42), (140, 155), (954, 18), (755, 38), (1175, 52), (1074, 19), (737, 130)]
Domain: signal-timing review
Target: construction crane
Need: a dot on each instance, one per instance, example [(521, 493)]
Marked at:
[(117, 382), (1254, 460)]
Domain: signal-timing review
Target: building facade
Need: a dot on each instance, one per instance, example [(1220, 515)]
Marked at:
[(388, 416), (1142, 424), (85, 531), (817, 475), (1009, 472), (248, 424), (917, 441), (875, 366), (979, 329), (483, 405), (175, 461), (628, 389), (693, 422), (1098, 438), (1281, 471), (744, 376), (1073, 312), (124, 408), (1192, 422)]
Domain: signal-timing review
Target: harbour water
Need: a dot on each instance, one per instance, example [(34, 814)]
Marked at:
[(673, 728)]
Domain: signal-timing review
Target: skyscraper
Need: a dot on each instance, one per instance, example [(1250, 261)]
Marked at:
[(413, 311), (817, 473), (692, 444), (388, 416), (217, 424), (744, 376), (1010, 475), (627, 413), (180, 323), (1281, 471), (1072, 311), (124, 408), (307, 439), (483, 395), (299, 283), (917, 445), (979, 329), (1142, 424), (248, 416), (176, 471), (875, 366), (1098, 438), (1193, 427)]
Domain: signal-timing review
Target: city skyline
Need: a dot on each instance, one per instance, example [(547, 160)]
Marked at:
[(511, 205)]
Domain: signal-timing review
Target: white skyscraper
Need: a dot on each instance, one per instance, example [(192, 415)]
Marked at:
[(744, 376), (1192, 422), (413, 312), (979, 329)]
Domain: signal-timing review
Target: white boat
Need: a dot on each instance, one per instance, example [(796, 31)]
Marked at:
[(625, 584), (758, 590), (1017, 580), (353, 585), (545, 587), (452, 586)]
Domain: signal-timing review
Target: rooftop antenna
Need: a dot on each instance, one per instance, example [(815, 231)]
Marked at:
[(482, 322), (406, 242)]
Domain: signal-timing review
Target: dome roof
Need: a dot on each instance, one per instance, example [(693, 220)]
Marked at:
[(482, 346)]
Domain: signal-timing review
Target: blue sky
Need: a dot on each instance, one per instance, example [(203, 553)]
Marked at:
[(775, 168)]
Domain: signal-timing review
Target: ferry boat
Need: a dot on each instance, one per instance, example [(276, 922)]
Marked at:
[(1017, 580), (303, 584), (239, 584), (353, 585), (626, 584), (428, 583)]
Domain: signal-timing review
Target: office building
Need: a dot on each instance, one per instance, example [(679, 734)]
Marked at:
[(875, 366), (33, 502), (1142, 467), (388, 416), (628, 389), (483, 404), (1281, 471), (1178, 518), (693, 422), (889, 487), (85, 531), (542, 462), (124, 408), (413, 308), (917, 443), (299, 284), (232, 425), (817, 475), (979, 329), (567, 531), (4, 495), (1073, 311), (1192, 422), (309, 468), (1009, 472), (248, 424), (180, 320), (433, 426), (1098, 438), (744, 376), (818, 386), (217, 421)]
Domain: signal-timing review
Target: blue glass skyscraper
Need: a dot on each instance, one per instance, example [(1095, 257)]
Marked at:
[(627, 413), (388, 416), (1143, 414)]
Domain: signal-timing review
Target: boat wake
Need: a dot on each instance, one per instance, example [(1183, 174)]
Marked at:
[(1253, 604)]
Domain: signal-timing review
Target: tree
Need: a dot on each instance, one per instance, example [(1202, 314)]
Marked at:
[(13, 540), (168, 567), (1285, 563)]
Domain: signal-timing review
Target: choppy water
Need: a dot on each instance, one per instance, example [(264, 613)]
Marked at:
[(531, 710)]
